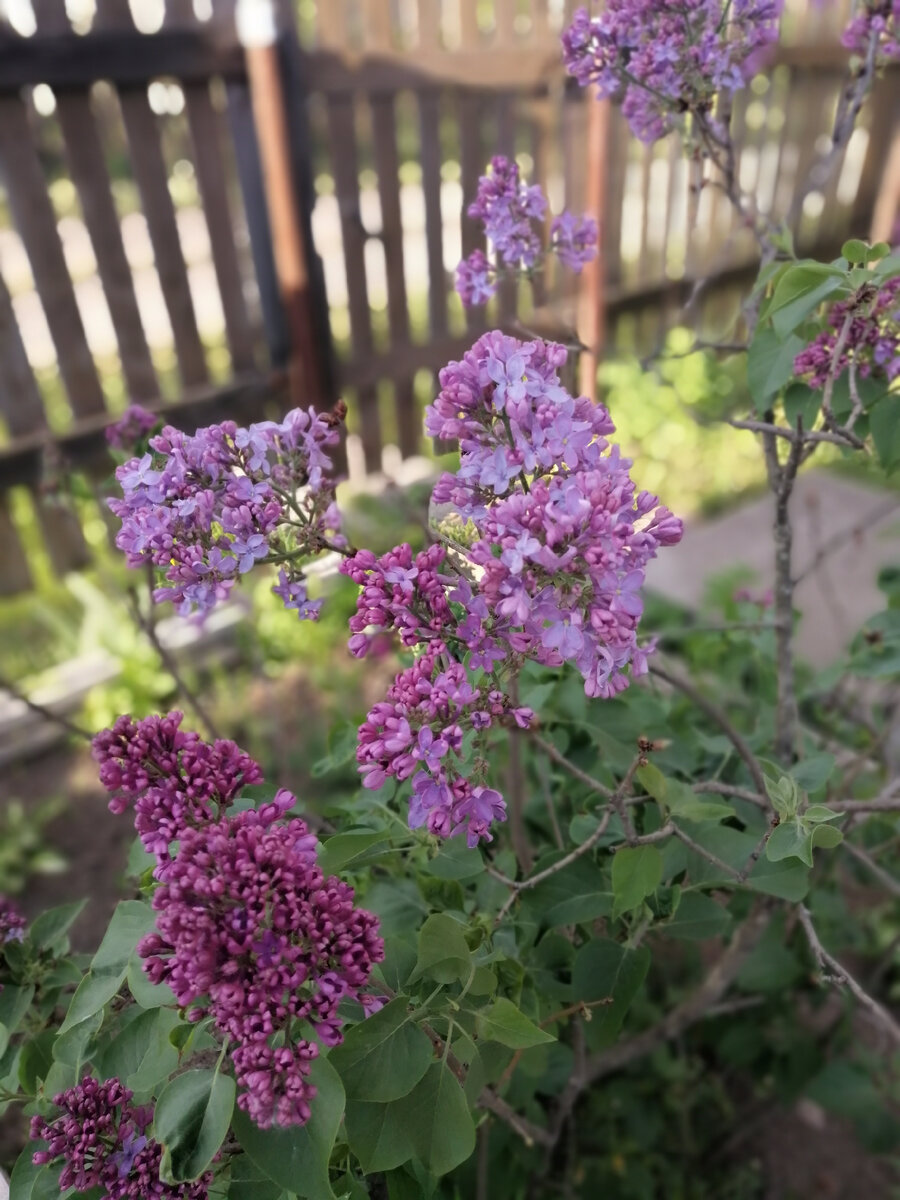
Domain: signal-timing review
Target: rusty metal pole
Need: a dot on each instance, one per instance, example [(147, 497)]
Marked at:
[(592, 292), (259, 31)]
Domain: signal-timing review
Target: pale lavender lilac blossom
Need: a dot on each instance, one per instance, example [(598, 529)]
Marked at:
[(205, 508), (512, 214), (12, 923), (131, 428), (662, 59), (879, 19)]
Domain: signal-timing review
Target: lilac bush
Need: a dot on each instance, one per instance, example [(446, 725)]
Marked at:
[(327, 1006)]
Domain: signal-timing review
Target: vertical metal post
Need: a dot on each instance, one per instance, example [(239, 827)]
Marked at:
[(272, 96)]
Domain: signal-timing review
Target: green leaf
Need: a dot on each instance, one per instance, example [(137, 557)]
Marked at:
[(70, 1048), (383, 1057), (142, 1054), (817, 814), (636, 873), (579, 892), (30, 1182), (803, 290), (697, 918), (438, 1121), (191, 1120), (770, 365), (454, 860), (884, 424), (345, 848), (51, 926), (683, 802), (378, 1136), (145, 993), (504, 1023), (790, 840), (813, 772), (247, 1181), (855, 251), (443, 951), (888, 266), (606, 971), (14, 1004), (131, 920), (652, 781), (826, 837), (36, 1060), (877, 252), (298, 1157)]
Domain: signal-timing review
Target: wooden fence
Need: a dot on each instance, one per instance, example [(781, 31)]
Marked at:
[(368, 145)]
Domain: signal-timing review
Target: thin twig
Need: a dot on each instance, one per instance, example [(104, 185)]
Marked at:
[(887, 881), (148, 626), (40, 710), (516, 792), (576, 772), (835, 437), (704, 853), (840, 975), (713, 787), (691, 1010), (715, 714)]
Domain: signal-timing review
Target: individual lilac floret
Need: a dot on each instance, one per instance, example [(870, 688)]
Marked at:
[(512, 213), (103, 1142), (574, 240), (294, 596), (206, 508), (12, 923), (131, 428), (476, 280), (878, 19), (251, 933), (172, 777), (663, 59), (871, 343)]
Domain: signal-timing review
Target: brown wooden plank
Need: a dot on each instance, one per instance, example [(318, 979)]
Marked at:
[(528, 67), (342, 133), (205, 128), (505, 21), (21, 404), (470, 32), (430, 158), (331, 23), (15, 576), (505, 117), (36, 221), (151, 176), (540, 119), (379, 25), (882, 157), (469, 107), (62, 534), (387, 164), (617, 166), (85, 156), (429, 14)]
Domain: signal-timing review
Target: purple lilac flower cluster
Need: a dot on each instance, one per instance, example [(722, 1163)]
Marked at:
[(664, 58), (12, 923), (879, 19), (131, 428), (871, 343), (248, 931), (172, 777), (552, 572), (207, 507), (102, 1140), (418, 730), (512, 213)]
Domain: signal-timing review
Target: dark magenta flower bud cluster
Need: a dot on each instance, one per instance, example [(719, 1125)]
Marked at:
[(102, 1140), (512, 213), (550, 568), (12, 923), (249, 932), (871, 342), (206, 508), (131, 428), (663, 59), (171, 776), (878, 19)]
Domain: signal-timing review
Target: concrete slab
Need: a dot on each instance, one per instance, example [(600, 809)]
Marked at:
[(838, 595)]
